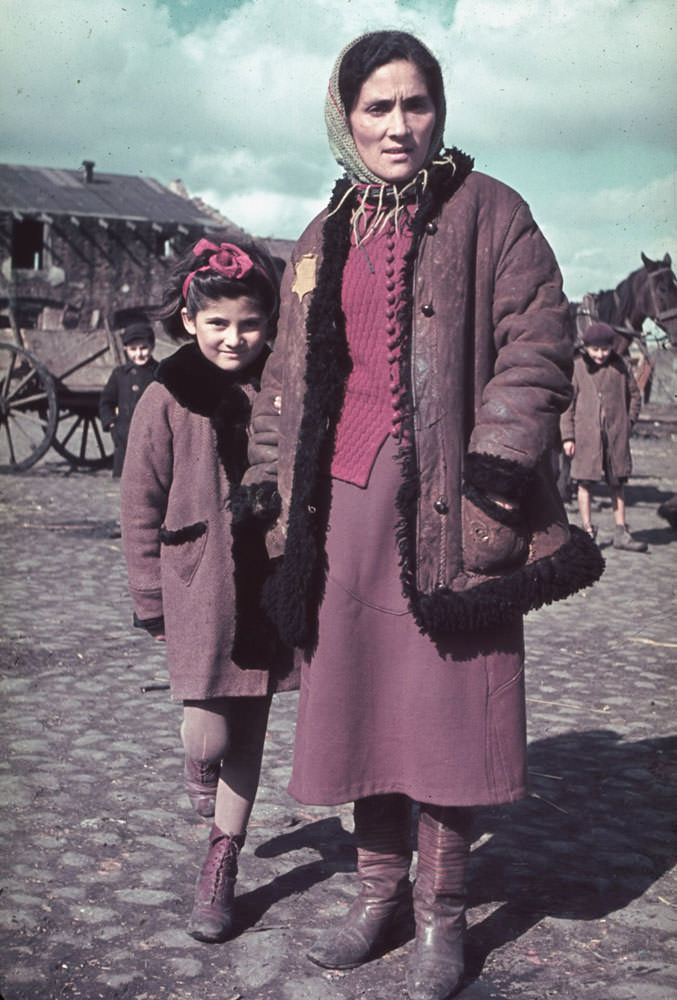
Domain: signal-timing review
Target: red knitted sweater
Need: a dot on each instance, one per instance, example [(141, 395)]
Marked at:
[(371, 295)]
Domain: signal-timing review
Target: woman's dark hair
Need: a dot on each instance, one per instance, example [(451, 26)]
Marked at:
[(261, 283), (379, 48)]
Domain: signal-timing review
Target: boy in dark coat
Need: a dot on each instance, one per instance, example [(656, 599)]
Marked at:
[(597, 426), (126, 384)]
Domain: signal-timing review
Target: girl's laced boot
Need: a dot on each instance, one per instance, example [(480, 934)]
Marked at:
[(202, 778), (382, 826), (436, 966), (212, 916)]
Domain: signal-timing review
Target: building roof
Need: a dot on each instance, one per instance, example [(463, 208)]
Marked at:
[(51, 191)]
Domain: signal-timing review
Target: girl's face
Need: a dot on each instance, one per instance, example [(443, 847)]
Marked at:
[(393, 120), (231, 333)]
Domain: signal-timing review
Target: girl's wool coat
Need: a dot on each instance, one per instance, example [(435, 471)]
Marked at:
[(606, 403), (186, 451), (485, 358)]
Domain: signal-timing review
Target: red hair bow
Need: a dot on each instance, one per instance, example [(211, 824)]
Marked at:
[(227, 260)]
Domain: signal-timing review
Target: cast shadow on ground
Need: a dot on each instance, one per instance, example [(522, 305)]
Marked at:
[(596, 832), (336, 854)]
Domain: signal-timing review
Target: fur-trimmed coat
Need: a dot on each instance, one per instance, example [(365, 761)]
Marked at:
[(191, 572), (485, 359), (605, 407)]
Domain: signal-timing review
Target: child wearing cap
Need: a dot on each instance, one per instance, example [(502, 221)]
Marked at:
[(126, 384), (597, 426)]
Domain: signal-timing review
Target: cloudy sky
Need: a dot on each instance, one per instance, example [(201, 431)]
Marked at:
[(569, 101)]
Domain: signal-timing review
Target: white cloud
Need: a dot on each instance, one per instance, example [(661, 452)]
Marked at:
[(568, 100)]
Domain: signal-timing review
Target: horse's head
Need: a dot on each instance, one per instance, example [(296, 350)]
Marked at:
[(662, 292)]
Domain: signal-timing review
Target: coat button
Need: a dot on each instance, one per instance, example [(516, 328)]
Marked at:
[(431, 228), (427, 309), (441, 505)]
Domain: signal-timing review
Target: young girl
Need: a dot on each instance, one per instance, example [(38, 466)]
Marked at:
[(194, 574)]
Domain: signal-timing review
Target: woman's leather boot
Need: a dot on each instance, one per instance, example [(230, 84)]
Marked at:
[(382, 835), (212, 916), (436, 966)]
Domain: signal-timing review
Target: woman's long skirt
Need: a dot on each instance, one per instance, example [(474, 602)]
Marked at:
[(384, 708)]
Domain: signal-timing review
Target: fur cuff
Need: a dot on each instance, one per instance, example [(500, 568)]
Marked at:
[(491, 474), (511, 516), (577, 564)]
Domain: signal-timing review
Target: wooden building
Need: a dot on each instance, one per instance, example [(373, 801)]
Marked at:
[(82, 249)]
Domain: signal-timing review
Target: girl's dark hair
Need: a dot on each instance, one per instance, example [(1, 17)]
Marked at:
[(261, 283), (379, 48)]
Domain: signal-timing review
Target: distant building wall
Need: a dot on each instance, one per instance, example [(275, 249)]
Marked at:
[(84, 269)]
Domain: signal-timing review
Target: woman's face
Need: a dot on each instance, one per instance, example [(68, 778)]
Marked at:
[(393, 121)]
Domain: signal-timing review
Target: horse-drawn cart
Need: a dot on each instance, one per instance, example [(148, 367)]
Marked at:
[(50, 384)]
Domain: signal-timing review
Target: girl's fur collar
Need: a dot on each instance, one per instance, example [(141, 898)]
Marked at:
[(197, 384), (204, 389)]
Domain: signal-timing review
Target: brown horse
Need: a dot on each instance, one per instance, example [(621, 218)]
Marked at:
[(649, 292)]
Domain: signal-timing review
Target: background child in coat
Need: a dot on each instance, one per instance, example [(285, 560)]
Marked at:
[(596, 428), (125, 386), (193, 573)]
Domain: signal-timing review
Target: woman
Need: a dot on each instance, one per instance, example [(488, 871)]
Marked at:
[(407, 415)]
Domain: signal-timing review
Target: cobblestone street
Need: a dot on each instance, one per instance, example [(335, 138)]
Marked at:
[(573, 893)]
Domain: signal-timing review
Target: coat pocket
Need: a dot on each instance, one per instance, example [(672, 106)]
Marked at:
[(488, 545), (183, 549)]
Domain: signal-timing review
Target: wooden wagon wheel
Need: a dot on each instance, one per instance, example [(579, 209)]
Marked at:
[(28, 409), (80, 437)]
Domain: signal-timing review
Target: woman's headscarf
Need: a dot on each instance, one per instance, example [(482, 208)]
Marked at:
[(341, 142)]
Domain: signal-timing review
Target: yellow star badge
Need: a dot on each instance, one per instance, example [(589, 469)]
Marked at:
[(305, 275)]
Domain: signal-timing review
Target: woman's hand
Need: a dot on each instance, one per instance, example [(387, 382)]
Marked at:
[(490, 545)]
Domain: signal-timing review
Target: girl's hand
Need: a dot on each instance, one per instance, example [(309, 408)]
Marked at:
[(569, 447)]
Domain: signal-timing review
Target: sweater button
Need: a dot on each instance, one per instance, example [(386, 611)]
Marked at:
[(427, 309), (431, 228), (441, 505)]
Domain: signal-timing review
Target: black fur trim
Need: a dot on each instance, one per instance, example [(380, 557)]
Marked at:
[(229, 419), (260, 501), (257, 643), (189, 533), (442, 185), (577, 564), (505, 515), (492, 474), (297, 589), (196, 383)]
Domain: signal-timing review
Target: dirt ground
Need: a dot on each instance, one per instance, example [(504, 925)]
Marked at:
[(573, 892)]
